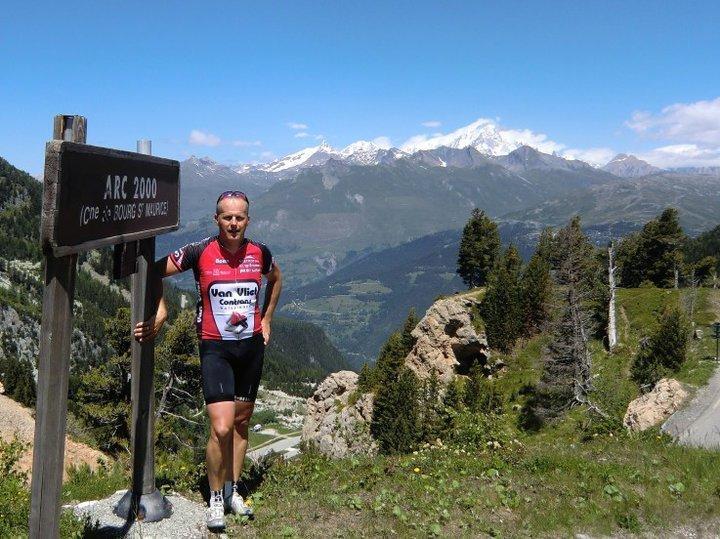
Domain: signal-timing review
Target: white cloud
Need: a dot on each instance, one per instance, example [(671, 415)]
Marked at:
[(296, 126), (301, 134), (268, 155), (246, 143), (682, 155), (414, 141), (697, 122), (201, 138), (382, 142), (594, 156), (319, 137), (431, 124)]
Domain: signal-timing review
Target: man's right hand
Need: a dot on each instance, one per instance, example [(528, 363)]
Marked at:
[(148, 330)]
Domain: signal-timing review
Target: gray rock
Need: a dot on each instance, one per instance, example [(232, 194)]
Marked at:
[(332, 424), (447, 342)]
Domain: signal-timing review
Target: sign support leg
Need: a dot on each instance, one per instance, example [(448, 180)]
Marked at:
[(144, 501), (53, 374)]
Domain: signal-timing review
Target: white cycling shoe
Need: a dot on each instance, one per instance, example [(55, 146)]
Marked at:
[(238, 505), (216, 513)]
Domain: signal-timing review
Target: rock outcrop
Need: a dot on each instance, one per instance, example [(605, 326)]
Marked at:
[(335, 425), (447, 342), (656, 406), (337, 420)]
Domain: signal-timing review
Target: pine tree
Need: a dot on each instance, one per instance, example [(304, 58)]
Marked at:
[(432, 424), (500, 308), (664, 351), (654, 254), (102, 398), (536, 294), (17, 377), (367, 379), (567, 373), (410, 322), (479, 249), (394, 423), (545, 246), (178, 387), (394, 351)]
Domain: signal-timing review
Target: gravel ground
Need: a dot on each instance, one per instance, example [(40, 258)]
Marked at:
[(187, 520)]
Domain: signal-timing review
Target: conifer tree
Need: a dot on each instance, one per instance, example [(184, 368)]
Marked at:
[(102, 399), (432, 424), (654, 254), (500, 308), (17, 377), (567, 373), (394, 351), (536, 294), (479, 249), (664, 351), (367, 379), (394, 423)]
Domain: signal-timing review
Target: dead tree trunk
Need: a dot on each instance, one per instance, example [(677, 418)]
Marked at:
[(612, 328)]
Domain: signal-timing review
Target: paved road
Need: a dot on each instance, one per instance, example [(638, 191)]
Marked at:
[(278, 446), (698, 424)]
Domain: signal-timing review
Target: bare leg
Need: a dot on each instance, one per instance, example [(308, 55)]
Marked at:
[(243, 413), (219, 451)]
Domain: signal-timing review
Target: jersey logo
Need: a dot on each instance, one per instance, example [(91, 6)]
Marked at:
[(178, 256), (233, 307)]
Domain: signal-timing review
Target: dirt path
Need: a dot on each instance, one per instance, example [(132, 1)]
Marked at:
[(16, 420)]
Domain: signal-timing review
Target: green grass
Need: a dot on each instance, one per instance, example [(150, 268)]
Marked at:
[(638, 310), (581, 475), (84, 484), (551, 484)]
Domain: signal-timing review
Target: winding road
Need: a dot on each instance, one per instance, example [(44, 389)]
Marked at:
[(279, 444), (698, 424)]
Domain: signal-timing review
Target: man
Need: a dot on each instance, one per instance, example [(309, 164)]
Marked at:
[(233, 333)]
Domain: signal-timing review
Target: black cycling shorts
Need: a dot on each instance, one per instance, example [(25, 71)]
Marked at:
[(231, 370)]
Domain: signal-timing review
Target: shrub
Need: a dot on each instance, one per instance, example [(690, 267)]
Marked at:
[(664, 351), (395, 413)]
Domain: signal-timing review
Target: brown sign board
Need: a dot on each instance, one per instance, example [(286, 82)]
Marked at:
[(96, 196)]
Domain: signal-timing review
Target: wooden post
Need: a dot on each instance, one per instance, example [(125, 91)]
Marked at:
[(53, 371), (143, 501)]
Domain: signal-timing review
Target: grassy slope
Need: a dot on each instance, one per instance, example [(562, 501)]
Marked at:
[(570, 477)]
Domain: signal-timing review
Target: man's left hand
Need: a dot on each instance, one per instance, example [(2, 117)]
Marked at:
[(265, 330)]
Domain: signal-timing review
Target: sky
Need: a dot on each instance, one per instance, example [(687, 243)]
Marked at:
[(245, 82)]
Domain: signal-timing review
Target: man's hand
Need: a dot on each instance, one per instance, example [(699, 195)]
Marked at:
[(148, 330), (265, 323)]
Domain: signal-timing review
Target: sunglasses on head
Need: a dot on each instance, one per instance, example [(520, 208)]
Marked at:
[(228, 194)]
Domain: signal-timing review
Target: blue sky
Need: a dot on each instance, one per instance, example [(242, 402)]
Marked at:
[(642, 77)]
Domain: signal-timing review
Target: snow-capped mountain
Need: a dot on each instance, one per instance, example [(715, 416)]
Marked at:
[(367, 153), (629, 166), (486, 137), (317, 155)]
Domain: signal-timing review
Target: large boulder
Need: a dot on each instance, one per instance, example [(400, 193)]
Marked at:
[(336, 425), (656, 406), (447, 342)]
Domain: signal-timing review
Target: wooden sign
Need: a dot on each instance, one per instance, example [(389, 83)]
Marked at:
[(99, 196)]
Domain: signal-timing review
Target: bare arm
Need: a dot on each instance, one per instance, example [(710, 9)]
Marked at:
[(148, 330), (272, 295)]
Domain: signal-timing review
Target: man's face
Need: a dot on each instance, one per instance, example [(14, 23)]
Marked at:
[(232, 218)]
